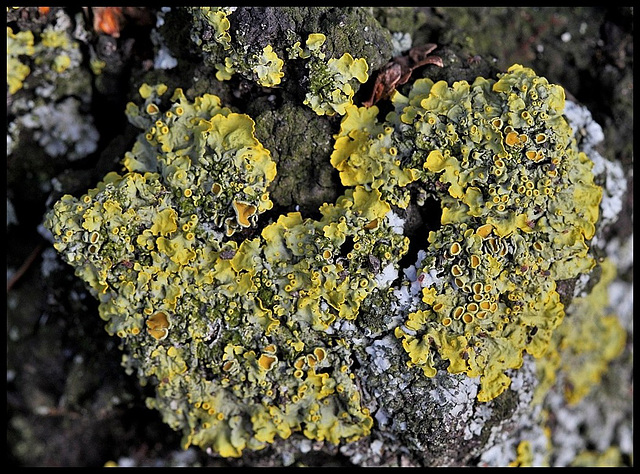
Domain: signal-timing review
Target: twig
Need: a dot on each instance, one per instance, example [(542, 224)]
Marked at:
[(25, 266)]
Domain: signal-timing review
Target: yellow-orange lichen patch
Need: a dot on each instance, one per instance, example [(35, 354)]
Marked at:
[(158, 326), (511, 139), (243, 212), (266, 361)]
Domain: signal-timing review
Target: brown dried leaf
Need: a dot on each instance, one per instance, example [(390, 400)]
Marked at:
[(399, 70)]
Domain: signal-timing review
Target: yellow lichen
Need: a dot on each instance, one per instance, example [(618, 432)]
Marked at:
[(315, 41), (583, 346), (609, 458), (269, 68), (525, 456), (521, 244), (18, 44), (252, 349), (165, 222), (331, 91)]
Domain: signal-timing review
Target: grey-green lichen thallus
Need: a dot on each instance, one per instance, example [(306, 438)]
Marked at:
[(236, 321)]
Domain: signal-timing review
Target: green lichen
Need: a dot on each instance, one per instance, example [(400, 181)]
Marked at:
[(612, 457), (332, 79), (518, 205), (238, 326), (216, 19), (46, 59), (584, 344), (18, 44), (331, 89), (235, 334), (193, 146), (525, 456), (368, 153), (56, 53), (210, 32), (97, 65), (50, 91)]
